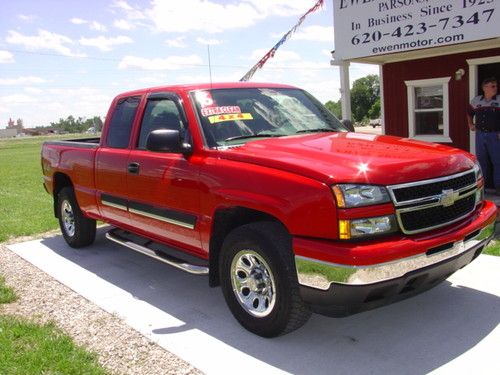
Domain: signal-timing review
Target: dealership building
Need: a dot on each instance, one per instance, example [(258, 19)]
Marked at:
[(432, 55)]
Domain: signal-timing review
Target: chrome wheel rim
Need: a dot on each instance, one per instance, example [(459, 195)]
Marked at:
[(68, 218), (253, 283)]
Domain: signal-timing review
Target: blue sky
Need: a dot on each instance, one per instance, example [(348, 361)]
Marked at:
[(60, 58)]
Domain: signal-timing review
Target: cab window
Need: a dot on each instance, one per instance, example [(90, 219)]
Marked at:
[(121, 123), (159, 114)]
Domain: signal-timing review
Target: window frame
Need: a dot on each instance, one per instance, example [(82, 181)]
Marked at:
[(163, 95), (118, 102), (412, 110)]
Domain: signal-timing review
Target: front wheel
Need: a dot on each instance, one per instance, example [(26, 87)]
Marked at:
[(77, 230), (259, 280)]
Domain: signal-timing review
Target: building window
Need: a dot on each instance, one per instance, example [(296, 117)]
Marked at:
[(428, 109)]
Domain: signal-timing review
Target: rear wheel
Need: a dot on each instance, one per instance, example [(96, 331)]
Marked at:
[(259, 280), (77, 230)]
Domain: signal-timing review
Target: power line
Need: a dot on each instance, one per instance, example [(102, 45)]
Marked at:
[(151, 70)]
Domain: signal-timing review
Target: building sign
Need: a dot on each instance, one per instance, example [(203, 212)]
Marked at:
[(377, 27)]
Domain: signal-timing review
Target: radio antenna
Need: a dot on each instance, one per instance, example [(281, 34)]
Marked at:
[(209, 64)]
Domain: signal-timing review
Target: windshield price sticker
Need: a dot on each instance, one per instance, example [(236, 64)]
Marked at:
[(204, 98), (230, 117), (377, 27), (220, 110)]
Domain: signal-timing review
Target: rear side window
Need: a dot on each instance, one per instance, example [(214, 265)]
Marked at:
[(159, 114), (120, 125)]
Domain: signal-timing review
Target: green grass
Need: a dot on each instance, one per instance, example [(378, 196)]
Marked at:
[(29, 348), (25, 207), (493, 248), (7, 294)]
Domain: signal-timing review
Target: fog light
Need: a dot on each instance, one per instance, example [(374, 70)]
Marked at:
[(367, 227)]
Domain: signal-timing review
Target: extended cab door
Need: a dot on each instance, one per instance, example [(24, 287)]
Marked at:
[(163, 191), (111, 161)]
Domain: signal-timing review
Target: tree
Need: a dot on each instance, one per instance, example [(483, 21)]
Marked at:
[(79, 125), (334, 107), (365, 94)]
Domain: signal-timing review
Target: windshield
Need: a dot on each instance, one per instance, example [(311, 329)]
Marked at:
[(235, 116)]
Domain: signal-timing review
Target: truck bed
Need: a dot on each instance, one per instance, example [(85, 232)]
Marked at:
[(80, 142)]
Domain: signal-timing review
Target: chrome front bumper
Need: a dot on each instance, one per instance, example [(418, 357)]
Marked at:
[(320, 275)]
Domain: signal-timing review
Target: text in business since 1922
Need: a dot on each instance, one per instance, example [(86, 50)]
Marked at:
[(372, 27)]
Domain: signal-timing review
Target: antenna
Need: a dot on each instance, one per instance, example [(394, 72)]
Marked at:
[(209, 64)]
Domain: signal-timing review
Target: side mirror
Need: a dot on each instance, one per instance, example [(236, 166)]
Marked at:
[(167, 140), (348, 124)]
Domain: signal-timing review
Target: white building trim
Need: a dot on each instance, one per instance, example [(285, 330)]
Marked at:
[(410, 86)]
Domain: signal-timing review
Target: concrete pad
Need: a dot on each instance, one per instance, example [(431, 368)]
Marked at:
[(453, 328)]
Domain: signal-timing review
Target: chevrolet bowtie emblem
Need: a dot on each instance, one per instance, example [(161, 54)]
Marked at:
[(448, 197)]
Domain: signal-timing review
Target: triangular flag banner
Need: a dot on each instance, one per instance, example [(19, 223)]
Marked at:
[(285, 37)]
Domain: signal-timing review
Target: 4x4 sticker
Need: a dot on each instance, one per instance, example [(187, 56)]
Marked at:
[(230, 117)]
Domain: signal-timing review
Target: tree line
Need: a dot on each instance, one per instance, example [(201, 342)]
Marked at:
[(365, 100), (77, 125)]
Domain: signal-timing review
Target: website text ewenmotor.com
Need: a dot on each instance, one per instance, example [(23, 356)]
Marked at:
[(419, 43)]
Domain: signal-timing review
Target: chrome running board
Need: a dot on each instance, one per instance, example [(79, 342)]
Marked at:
[(177, 263)]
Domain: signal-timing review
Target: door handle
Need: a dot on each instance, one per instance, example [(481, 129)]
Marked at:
[(133, 168)]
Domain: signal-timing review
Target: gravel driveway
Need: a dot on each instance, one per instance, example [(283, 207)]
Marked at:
[(120, 349)]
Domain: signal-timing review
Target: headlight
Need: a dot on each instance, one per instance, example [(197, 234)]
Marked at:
[(477, 170), (359, 228), (348, 195)]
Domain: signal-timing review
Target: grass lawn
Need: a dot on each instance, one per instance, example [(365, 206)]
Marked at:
[(29, 348), (493, 248), (7, 294), (25, 207)]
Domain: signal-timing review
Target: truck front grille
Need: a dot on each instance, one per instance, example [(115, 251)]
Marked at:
[(430, 204), (433, 217), (434, 188)]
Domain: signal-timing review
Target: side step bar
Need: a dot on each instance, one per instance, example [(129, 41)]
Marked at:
[(177, 263)]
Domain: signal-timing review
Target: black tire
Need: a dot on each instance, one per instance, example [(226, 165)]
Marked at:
[(259, 256), (77, 230)]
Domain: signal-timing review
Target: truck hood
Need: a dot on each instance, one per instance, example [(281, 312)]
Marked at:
[(353, 157)]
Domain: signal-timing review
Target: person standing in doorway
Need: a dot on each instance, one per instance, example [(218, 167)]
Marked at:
[(483, 117)]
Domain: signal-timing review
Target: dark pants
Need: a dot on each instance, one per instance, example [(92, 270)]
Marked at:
[(488, 153)]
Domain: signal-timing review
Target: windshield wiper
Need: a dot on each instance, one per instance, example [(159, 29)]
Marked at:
[(317, 130), (263, 135)]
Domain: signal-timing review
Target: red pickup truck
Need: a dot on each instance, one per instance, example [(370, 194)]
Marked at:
[(262, 189)]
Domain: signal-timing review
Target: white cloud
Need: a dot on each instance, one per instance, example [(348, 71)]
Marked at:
[(177, 42), (209, 16), (130, 12), (315, 33), (282, 8), (33, 90), (327, 53), (6, 57), (17, 99), (281, 56), (94, 25), (78, 21), (26, 80), (27, 17), (105, 44), (168, 63), (123, 24), (45, 40), (210, 42)]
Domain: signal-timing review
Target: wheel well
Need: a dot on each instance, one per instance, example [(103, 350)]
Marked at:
[(225, 221), (60, 182)]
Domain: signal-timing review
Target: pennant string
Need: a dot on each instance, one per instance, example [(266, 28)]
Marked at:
[(272, 51)]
